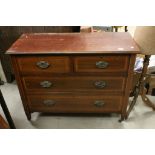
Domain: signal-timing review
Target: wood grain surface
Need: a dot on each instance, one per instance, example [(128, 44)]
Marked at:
[(75, 103), (104, 42), (88, 63), (71, 84), (74, 72), (57, 64)]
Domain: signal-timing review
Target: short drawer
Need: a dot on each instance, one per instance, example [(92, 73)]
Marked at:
[(80, 83), (101, 64), (36, 65), (74, 103)]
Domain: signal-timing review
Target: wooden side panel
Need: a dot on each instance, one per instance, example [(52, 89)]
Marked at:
[(21, 87), (128, 86)]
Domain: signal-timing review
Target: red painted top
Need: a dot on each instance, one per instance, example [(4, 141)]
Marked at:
[(73, 43)]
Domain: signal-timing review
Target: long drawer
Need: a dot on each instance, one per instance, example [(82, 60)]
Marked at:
[(101, 64), (41, 65), (74, 103), (80, 83)]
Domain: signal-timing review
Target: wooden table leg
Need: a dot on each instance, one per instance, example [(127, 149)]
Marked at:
[(140, 89), (143, 92), (126, 29)]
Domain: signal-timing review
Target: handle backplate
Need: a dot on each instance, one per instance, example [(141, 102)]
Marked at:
[(46, 84), (102, 64), (100, 84), (49, 102), (99, 103), (43, 64)]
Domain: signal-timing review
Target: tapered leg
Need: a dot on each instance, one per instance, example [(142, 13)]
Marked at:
[(123, 117), (126, 29)]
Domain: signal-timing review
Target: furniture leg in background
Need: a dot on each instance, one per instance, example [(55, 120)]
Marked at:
[(140, 88), (126, 29), (117, 27), (144, 37), (6, 111)]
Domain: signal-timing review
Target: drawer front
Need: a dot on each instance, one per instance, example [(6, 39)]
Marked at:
[(74, 103), (35, 65), (101, 64), (80, 83)]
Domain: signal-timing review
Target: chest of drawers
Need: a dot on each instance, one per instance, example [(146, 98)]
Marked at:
[(74, 73)]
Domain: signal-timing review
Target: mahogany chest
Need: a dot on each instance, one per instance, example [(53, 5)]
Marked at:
[(74, 73)]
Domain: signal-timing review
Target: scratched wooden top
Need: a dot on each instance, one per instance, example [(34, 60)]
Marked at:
[(74, 43)]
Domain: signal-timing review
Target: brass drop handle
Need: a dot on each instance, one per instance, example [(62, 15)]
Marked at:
[(99, 103), (46, 84), (102, 64), (100, 84), (43, 64), (49, 102)]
